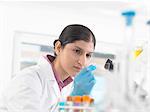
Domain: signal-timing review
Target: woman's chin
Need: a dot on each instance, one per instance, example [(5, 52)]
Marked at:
[(74, 74)]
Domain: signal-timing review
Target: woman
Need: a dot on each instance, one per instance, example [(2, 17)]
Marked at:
[(39, 88)]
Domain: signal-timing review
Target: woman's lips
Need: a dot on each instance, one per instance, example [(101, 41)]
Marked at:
[(77, 68)]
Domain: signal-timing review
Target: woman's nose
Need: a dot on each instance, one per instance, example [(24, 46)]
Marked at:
[(82, 60)]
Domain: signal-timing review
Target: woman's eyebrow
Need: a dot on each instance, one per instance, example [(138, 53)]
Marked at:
[(83, 49), (78, 47)]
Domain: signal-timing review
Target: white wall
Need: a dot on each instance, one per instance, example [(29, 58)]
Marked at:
[(51, 17)]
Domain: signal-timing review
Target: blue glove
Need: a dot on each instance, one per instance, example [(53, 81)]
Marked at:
[(84, 81)]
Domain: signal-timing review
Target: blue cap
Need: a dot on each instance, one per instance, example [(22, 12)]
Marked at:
[(91, 68), (129, 16)]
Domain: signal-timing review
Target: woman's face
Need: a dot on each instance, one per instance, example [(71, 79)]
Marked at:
[(75, 56)]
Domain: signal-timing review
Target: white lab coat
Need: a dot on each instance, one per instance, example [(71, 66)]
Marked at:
[(34, 89)]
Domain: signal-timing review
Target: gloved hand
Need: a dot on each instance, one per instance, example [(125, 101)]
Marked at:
[(84, 81)]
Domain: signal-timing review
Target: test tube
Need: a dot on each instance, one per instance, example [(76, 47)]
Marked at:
[(62, 103), (91, 101), (77, 100), (87, 101), (69, 103)]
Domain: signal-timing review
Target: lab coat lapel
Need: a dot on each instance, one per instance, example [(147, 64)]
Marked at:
[(56, 89), (49, 75), (53, 83)]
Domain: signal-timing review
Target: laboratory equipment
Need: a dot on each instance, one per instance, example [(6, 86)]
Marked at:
[(77, 104), (133, 71), (109, 65), (125, 85)]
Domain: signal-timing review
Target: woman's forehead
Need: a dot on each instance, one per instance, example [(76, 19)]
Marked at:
[(86, 46)]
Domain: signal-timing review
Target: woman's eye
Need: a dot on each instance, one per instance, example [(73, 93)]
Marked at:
[(88, 55), (77, 51)]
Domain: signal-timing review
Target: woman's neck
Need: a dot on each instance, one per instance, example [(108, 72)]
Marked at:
[(59, 69)]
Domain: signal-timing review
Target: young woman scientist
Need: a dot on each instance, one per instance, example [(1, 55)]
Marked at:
[(38, 88)]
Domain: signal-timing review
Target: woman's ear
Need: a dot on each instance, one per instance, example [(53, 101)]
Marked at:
[(57, 47)]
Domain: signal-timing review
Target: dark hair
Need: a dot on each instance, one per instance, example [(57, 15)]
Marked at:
[(75, 32)]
